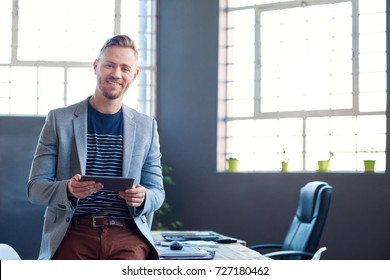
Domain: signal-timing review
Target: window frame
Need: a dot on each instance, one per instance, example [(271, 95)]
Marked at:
[(146, 103), (223, 151)]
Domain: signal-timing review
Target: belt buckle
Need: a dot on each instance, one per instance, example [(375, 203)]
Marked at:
[(94, 221)]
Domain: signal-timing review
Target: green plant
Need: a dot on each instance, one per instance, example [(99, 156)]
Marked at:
[(232, 164), (231, 158), (161, 216), (284, 156)]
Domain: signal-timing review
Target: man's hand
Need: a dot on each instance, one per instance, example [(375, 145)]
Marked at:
[(135, 196), (82, 189)]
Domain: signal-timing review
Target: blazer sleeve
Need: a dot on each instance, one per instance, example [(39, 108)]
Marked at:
[(151, 177), (43, 187)]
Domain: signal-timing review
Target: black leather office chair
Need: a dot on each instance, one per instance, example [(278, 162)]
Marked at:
[(305, 231)]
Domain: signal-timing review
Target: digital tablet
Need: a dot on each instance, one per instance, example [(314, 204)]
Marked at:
[(110, 183)]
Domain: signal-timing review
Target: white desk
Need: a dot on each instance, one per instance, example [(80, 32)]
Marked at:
[(230, 251)]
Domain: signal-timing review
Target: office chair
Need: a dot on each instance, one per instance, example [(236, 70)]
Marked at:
[(8, 253), (317, 255), (303, 236)]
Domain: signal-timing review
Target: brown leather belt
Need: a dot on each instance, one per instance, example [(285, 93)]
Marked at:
[(100, 221)]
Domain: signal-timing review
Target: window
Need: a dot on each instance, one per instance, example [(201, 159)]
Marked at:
[(47, 49), (302, 81)]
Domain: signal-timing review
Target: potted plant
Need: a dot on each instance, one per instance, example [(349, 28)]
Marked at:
[(284, 161), (323, 165), (161, 219), (369, 163), (232, 164)]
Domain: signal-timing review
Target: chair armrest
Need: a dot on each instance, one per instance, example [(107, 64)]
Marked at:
[(287, 253), (265, 246)]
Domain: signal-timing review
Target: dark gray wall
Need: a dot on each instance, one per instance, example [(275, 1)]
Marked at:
[(20, 221), (255, 207)]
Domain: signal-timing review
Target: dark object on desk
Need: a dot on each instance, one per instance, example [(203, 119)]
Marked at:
[(176, 245), (303, 236), (226, 240)]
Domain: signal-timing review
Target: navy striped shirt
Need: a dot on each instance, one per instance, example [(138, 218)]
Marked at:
[(104, 158)]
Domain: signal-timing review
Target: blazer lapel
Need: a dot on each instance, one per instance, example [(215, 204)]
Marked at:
[(80, 134), (129, 131)]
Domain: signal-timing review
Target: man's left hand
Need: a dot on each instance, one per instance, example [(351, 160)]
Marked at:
[(135, 196)]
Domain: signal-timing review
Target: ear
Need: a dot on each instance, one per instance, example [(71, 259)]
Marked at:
[(95, 65), (136, 72)]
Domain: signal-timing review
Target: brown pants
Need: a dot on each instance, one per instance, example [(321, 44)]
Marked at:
[(84, 242)]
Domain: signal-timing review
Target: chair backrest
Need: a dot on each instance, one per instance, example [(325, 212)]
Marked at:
[(308, 223), (8, 253)]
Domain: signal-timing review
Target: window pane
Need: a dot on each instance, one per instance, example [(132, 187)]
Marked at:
[(371, 124), (344, 161), (5, 31), (341, 101), (298, 62), (240, 108), (23, 89), (317, 126), (340, 83), (45, 105), (372, 62), (51, 82), (372, 101), (5, 78), (130, 23), (371, 143), (372, 82), (372, 6), (372, 23), (243, 76), (80, 90), (343, 143), (4, 91), (23, 106), (4, 105), (372, 42), (343, 125), (57, 31)]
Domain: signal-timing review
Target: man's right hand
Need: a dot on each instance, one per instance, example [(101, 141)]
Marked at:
[(82, 189)]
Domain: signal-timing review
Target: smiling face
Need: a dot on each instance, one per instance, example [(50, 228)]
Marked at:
[(116, 70)]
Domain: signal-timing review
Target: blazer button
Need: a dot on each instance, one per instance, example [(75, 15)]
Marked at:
[(68, 220)]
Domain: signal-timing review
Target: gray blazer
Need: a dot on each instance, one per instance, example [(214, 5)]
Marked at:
[(62, 152)]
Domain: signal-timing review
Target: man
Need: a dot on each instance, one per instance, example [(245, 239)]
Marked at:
[(99, 136)]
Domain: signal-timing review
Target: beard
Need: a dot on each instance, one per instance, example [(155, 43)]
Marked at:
[(111, 96), (111, 92)]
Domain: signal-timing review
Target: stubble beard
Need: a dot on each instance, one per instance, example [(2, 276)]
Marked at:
[(109, 94)]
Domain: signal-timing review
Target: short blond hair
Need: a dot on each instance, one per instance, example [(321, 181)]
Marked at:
[(121, 41)]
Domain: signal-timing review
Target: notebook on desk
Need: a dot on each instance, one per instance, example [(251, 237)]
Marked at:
[(187, 236)]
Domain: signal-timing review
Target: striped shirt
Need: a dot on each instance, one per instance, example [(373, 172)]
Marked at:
[(104, 158)]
